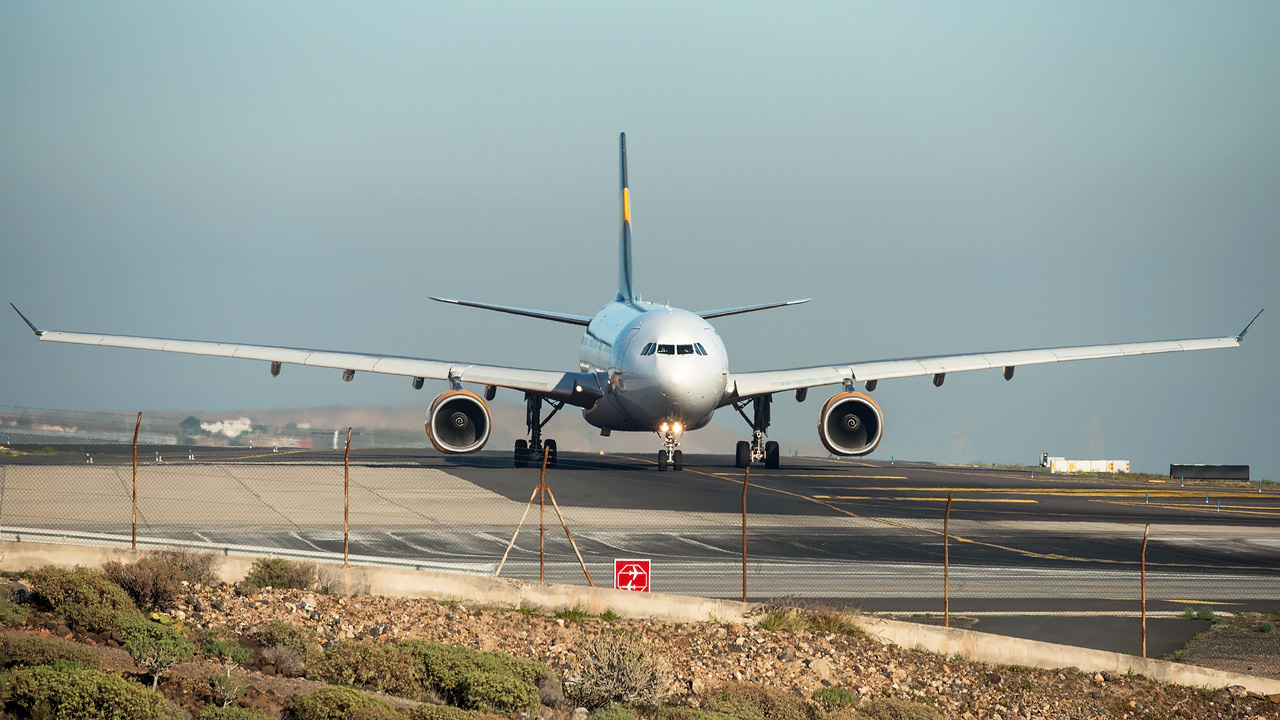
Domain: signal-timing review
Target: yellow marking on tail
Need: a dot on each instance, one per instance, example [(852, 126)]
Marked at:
[(626, 204)]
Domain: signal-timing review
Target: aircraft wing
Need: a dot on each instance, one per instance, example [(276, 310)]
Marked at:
[(580, 389), (748, 384)]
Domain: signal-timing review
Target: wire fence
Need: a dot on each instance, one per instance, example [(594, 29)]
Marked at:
[(437, 516)]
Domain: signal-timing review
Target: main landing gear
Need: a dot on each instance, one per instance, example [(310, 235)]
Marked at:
[(757, 449), (670, 453), (533, 448)]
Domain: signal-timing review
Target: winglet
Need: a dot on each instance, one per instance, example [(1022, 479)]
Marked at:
[(40, 332), (1239, 338)]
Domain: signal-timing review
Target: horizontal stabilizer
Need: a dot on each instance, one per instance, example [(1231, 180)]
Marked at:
[(540, 314), (708, 314)]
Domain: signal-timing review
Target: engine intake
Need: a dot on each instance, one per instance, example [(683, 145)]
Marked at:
[(458, 422), (850, 424)]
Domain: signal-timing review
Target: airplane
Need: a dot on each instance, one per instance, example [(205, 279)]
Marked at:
[(645, 367)]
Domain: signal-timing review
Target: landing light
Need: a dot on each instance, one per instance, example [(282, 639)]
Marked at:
[(663, 427), (676, 427)]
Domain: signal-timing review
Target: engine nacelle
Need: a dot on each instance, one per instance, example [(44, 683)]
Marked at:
[(458, 422), (850, 424)]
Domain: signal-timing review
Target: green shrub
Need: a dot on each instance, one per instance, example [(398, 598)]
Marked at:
[(615, 712), (835, 697), (443, 667), (222, 645), (195, 566), (213, 712), (757, 702), (280, 574), (33, 650), (82, 597), (573, 614), (448, 712), (340, 703), (83, 694), (496, 692), (887, 709), (1268, 628), (619, 667), (11, 613), (151, 583), (154, 647), (680, 712), (274, 633), (386, 668)]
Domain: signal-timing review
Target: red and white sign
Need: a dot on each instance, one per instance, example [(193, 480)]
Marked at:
[(631, 575)]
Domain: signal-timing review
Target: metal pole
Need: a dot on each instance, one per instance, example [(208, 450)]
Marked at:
[(569, 535), (346, 500), (542, 519), (746, 480), (946, 565), (137, 426), (1144, 589)]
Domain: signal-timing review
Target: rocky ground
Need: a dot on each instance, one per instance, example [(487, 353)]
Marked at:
[(704, 655)]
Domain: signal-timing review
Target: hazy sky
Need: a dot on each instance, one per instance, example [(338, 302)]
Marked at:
[(938, 177)]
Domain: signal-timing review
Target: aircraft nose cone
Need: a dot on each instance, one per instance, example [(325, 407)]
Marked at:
[(675, 384)]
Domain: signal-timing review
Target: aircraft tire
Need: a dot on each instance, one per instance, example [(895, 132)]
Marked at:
[(522, 453), (549, 447), (662, 461), (771, 455), (743, 456), (677, 460)]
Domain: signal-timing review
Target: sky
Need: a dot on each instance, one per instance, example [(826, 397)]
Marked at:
[(938, 177)]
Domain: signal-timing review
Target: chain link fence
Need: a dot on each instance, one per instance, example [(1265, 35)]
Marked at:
[(426, 513)]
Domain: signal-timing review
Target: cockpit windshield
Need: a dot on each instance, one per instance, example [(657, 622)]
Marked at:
[(663, 349)]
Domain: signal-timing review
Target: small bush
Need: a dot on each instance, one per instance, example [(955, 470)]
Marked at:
[(888, 709), (340, 703), (615, 712), (619, 667), (573, 614), (213, 712), (280, 574), (82, 597), (154, 647), (1206, 614), (11, 613), (277, 633), (70, 693), (33, 650), (448, 712), (1268, 628), (835, 697), (777, 618), (445, 667), (757, 702), (151, 583), (680, 712), (195, 566), (497, 692), (386, 668)]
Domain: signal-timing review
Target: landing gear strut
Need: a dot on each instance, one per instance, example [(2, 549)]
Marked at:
[(533, 448), (758, 449), (670, 452)]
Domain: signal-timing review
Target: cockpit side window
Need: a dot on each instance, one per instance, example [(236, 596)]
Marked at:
[(684, 349), (697, 347), (666, 349), (649, 349)]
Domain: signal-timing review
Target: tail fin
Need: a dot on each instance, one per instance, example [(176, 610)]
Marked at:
[(626, 292)]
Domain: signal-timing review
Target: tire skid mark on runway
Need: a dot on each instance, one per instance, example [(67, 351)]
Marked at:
[(262, 500), (696, 543), (996, 546)]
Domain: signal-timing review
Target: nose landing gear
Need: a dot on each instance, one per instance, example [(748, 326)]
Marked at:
[(532, 450), (758, 448), (670, 453)]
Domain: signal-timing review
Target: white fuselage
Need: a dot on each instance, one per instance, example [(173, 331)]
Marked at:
[(662, 364)]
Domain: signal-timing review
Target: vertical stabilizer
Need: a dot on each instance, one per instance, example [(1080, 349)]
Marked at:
[(626, 292)]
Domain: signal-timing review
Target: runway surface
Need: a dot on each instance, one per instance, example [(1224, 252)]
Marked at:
[(853, 532)]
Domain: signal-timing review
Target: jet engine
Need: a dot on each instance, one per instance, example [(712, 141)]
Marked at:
[(458, 422), (850, 424)]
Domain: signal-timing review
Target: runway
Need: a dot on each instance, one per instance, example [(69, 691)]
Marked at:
[(856, 532)]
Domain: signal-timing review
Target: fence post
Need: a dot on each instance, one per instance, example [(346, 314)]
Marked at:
[(346, 504), (746, 480), (542, 519), (946, 565), (137, 426), (1144, 589)]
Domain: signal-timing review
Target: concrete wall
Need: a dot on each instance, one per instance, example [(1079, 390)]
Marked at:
[(397, 582)]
